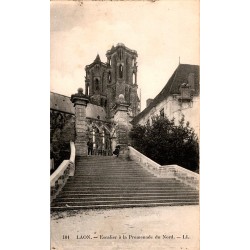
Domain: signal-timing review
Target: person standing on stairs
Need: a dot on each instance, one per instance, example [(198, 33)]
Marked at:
[(90, 147), (117, 151)]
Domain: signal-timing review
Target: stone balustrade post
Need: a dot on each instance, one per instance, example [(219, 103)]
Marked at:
[(123, 126), (80, 102)]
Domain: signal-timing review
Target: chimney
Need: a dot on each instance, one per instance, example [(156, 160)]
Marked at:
[(148, 102)]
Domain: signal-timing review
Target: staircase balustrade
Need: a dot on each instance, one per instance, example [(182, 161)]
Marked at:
[(165, 171), (59, 178)]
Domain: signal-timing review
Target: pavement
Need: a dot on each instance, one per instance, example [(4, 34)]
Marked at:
[(127, 228)]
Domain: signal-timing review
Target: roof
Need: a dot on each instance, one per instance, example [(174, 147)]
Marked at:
[(179, 76), (62, 103), (96, 61), (96, 112)]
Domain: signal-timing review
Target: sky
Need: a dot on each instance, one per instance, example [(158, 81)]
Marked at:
[(161, 32)]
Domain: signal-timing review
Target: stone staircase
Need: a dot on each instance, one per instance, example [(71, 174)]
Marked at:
[(111, 182)]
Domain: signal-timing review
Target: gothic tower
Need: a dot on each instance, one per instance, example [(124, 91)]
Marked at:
[(95, 82), (105, 82), (122, 78)]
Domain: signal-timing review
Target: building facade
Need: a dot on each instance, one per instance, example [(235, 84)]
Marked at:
[(179, 97)]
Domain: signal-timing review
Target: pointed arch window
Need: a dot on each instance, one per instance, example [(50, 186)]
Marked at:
[(120, 71), (97, 87), (109, 77), (133, 77)]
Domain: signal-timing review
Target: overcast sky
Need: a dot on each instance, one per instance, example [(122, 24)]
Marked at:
[(159, 31)]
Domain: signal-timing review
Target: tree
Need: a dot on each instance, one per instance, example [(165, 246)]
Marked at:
[(167, 143)]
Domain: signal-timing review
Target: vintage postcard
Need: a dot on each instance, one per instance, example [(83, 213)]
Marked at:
[(125, 125)]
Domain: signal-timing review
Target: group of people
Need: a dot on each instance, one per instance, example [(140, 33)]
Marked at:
[(90, 149)]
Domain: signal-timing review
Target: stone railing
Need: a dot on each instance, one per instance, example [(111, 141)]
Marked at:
[(184, 175), (59, 178), (166, 171), (144, 161)]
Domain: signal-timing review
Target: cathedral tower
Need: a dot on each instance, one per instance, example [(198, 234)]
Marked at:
[(105, 82), (122, 78), (95, 82)]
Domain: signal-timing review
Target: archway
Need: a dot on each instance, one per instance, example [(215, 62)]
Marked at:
[(100, 136)]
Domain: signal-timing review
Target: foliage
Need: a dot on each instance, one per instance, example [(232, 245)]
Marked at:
[(61, 133), (167, 143)]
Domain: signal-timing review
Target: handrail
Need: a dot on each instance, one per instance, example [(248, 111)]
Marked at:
[(165, 171), (58, 173), (59, 178), (142, 157), (72, 152), (184, 170)]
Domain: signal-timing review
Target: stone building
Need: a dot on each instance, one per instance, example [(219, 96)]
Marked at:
[(179, 97), (104, 112)]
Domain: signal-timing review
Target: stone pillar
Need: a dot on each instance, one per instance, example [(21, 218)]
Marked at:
[(123, 126), (80, 103)]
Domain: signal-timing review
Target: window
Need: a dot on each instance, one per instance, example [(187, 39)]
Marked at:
[(109, 76), (97, 84), (120, 71), (185, 91), (162, 113), (133, 77)]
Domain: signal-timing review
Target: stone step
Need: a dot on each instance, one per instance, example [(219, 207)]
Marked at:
[(121, 176), (101, 164), (70, 193), (121, 173), (122, 205), (138, 178), (132, 179), (118, 180), (123, 195), (118, 175), (124, 184), (119, 170), (124, 189), (117, 201), (107, 163), (124, 198)]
